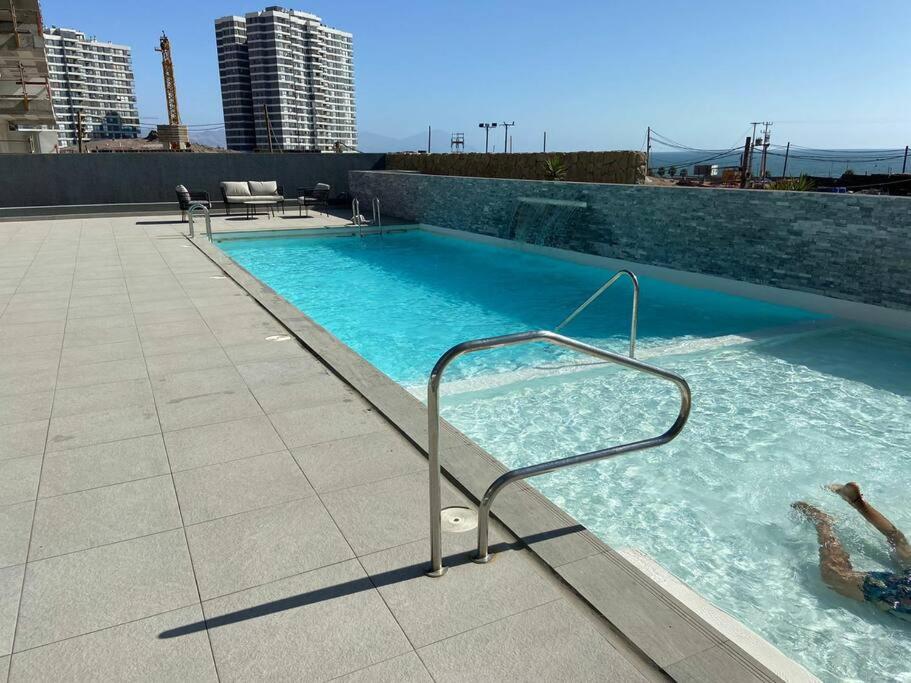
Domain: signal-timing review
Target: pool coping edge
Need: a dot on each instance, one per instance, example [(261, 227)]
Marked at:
[(659, 623)]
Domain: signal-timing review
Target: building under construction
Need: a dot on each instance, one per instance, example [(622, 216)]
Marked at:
[(26, 111)]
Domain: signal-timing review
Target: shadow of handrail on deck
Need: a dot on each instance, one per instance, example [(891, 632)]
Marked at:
[(366, 583)]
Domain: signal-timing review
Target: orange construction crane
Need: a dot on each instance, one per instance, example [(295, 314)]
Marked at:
[(170, 88)]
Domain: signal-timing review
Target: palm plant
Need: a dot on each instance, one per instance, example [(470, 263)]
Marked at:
[(554, 168), (801, 184)]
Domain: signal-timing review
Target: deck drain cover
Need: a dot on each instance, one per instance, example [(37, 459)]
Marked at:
[(217, 277), (458, 519), (278, 337)]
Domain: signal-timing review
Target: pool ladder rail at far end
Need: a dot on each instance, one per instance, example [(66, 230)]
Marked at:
[(358, 219)]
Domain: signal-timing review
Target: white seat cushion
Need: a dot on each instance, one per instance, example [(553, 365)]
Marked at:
[(262, 188), (233, 189)]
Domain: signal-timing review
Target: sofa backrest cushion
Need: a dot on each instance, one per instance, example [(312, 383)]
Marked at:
[(262, 188), (236, 188)]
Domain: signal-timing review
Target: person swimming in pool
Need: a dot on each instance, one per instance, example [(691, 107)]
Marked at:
[(890, 591)]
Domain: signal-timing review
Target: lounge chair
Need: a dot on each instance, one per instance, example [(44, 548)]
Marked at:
[(318, 196), (186, 197)]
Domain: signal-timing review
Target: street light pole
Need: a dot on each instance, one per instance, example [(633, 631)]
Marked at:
[(487, 127), (506, 134)]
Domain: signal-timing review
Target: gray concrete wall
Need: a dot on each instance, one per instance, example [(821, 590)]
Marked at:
[(62, 179), (853, 247)]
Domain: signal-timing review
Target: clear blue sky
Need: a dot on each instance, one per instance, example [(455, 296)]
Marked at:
[(830, 73)]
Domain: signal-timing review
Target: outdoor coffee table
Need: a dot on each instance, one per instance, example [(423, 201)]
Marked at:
[(251, 205)]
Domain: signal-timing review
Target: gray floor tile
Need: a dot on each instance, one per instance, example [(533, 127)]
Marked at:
[(173, 363), (86, 519), (174, 328), (4, 669), (98, 397), (183, 385), (301, 628), (18, 332), (358, 460), (167, 315), (19, 479), (10, 587), (15, 529), (39, 381), (406, 668), (75, 431), (130, 652), (101, 373), (387, 513), (240, 485), (210, 444), (282, 371), (429, 611), (316, 390), (553, 642), (89, 467), (101, 353), (251, 548), (25, 407), (330, 422), (207, 408), (23, 438), (179, 302), (190, 343), (74, 594), (265, 350), (16, 347)]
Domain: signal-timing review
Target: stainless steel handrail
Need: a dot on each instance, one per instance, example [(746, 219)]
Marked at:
[(377, 217), (634, 324), (205, 209), (433, 431), (356, 217)]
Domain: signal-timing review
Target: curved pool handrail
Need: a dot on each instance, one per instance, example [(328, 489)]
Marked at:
[(634, 323), (193, 208), (433, 430)]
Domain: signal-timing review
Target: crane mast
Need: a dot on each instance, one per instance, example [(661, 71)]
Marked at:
[(170, 88)]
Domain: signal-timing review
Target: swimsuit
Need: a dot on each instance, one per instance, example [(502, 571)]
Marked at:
[(890, 590)]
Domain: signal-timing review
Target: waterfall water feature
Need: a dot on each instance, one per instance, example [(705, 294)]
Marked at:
[(543, 221)]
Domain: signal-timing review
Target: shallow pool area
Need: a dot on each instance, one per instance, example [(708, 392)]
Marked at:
[(780, 408)]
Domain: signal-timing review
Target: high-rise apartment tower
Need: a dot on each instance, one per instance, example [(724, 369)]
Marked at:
[(95, 79), (287, 82)]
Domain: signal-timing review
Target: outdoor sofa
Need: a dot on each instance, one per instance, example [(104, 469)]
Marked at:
[(238, 192)]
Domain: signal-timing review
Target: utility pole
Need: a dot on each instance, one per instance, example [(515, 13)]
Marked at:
[(765, 149), (745, 163), (510, 144), (506, 134), (79, 130), (487, 127), (787, 152), (905, 161), (268, 126), (545, 145), (428, 139), (752, 146), (648, 149)]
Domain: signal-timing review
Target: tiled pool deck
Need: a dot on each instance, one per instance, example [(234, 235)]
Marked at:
[(182, 498)]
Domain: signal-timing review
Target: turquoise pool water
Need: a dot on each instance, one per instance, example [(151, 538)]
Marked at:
[(773, 420)]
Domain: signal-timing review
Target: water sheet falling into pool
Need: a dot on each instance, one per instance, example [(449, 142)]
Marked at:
[(543, 221)]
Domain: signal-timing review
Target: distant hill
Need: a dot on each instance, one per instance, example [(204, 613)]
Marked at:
[(374, 142)]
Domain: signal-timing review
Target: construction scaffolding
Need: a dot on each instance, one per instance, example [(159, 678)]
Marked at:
[(25, 93)]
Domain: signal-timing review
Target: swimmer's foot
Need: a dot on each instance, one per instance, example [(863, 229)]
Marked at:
[(813, 513), (850, 492)]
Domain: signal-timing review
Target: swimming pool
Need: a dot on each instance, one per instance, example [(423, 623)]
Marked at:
[(780, 409)]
